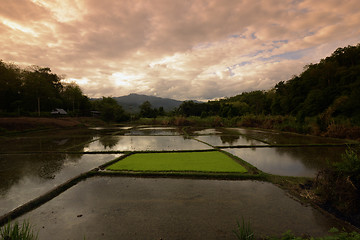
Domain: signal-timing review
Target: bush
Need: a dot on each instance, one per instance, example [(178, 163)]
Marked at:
[(337, 187)]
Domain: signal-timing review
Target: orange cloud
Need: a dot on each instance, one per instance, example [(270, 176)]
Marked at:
[(182, 49)]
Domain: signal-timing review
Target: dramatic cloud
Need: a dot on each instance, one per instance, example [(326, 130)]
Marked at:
[(179, 49)]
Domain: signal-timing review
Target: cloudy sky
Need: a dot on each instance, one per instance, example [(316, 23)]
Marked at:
[(182, 49)]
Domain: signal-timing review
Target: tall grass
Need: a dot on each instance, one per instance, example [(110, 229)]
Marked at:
[(18, 231), (244, 231)]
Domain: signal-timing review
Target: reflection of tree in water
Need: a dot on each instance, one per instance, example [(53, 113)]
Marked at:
[(229, 138), (50, 164), (108, 142), (14, 167), (19, 166), (313, 157)]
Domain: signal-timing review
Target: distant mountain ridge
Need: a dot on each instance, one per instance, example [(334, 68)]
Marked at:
[(131, 102)]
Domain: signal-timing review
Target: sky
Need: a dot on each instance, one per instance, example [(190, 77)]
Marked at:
[(180, 49)]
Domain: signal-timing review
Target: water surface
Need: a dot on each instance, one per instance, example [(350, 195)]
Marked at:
[(27, 176), (154, 131), (140, 208), (290, 161), (45, 141), (273, 137), (229, 140), (145, 143)]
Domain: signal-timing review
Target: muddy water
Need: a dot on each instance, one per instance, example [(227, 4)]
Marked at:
[(290, 161), (139, 208), (144, 143), (27, 176)]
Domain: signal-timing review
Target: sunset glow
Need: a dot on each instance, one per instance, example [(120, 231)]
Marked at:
[(179, 49)]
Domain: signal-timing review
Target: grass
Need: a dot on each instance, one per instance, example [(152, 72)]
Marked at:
[(244, 231), (16, 231), (212, 161)]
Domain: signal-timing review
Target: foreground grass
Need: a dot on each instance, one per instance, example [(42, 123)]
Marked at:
[(16, 231), (211, 161), (244, 231)]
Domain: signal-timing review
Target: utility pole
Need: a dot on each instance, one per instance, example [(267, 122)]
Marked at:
[(38, 99)]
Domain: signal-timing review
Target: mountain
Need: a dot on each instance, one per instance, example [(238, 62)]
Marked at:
[(131, 102)]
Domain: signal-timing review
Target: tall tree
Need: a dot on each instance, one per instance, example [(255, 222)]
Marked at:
[(10, 87)]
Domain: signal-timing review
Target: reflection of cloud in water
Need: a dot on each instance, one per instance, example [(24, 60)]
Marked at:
[(286, 138), (27, 176), (229, 140), (154, 131), (295, 161), (206, 132), (144, 143)]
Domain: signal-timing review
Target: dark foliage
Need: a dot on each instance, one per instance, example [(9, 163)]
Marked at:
[(329, 89), (36, 89), (338, 187)]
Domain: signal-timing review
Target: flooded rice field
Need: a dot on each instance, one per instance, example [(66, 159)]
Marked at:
[(272, 137), (27, 176), (154, 208), (290, 161), (145, 143), (147, 208), (229, 140)]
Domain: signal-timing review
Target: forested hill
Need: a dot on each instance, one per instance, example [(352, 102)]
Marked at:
[(330, 88), (132, 102), (333, 83)]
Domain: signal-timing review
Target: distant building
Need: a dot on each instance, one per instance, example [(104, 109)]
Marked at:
[(58, 111), (95, 113)]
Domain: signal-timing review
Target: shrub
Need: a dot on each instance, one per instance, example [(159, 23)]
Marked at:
[(337, 187)]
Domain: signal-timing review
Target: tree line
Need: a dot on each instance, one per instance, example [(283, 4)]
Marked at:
[(328, 89), (36, 91)]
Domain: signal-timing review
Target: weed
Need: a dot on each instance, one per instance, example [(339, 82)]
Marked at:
[(16, 231), (244, 231)]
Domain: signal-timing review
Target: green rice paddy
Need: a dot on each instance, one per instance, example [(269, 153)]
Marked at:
[(212, 161)]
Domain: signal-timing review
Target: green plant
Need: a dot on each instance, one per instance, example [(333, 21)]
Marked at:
[(16, 231), (337, 187), (350, 166), (244, 231), (211, 161), (335, 235)]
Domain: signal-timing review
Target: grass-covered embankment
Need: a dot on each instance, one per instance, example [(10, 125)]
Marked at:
[(211, 161), (19, 124)]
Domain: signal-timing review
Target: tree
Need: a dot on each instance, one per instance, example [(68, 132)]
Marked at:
[(41, 89), (110, 110), (146, 110), (72, 96), (10, 87)]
